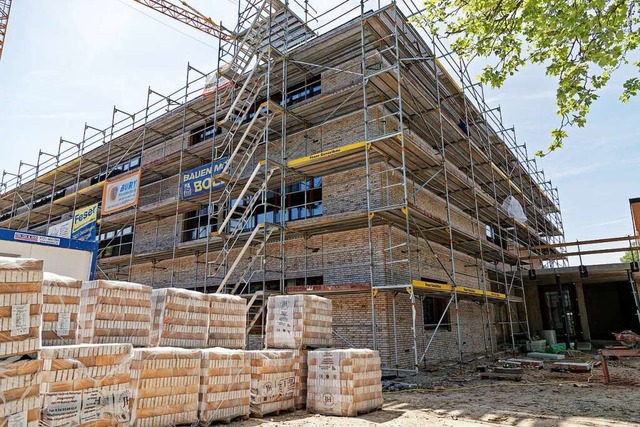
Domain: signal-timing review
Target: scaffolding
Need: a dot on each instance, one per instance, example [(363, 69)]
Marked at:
[(426, 128)]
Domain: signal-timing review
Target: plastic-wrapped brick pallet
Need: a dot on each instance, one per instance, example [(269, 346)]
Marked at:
[(272, 381), (298, 321), (165, 382), (114, 312), (301, 370), (228, 321), (61, 304), (180, 318), (20, 306), (225, 385), (344, 382), (86, 385), (20, 400)]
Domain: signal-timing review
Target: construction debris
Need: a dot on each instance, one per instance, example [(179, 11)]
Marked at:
[(572, 366), (546, 356)]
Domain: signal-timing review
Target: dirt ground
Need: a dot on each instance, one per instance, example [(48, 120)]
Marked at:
[(458, 397)]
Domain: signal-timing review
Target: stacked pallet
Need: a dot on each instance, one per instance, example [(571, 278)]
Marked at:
[(344, 382), (225, 384), (301, 370), (180, 318), (164, 386), (20, 400), (61, 304), (114, 312), (86, 384), (272, 381), (20, 306), (298, 321), (227, 321)]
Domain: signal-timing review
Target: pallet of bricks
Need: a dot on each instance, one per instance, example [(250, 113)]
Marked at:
[(115, 312), (180, 318), (61, 304), (20, 320), (299, 323), (165, 383), (86, 385)]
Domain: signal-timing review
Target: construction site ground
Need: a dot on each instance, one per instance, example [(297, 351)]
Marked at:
[(454, 396)]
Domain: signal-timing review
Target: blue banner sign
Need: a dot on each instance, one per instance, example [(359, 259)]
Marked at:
[(201, 180)]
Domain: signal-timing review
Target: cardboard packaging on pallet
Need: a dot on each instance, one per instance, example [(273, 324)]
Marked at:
[(114, 312), (180, 318), (227, 321), (273, 381), (225, 385), (298, 321), (20, 306), (86, 385), (20, 400), (165, 382), (60, 308), (344, 382)]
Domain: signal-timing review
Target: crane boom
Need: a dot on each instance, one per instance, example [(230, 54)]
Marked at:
[(5, 8), (187, 15)]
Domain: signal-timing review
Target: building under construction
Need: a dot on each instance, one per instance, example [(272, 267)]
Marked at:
[(343, 153)]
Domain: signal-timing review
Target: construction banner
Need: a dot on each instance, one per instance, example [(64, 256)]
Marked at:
[(84, 223), (121, 193), (62, 229), (201, 180)]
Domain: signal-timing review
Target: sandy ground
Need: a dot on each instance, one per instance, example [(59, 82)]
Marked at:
[(454, 397)]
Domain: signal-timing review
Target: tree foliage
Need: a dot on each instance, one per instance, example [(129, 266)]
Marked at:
[(581, 43)]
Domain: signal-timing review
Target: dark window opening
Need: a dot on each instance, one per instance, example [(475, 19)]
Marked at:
[(194, 225), (433, 308), (122, 167), (203, 133), (311, 281), (115, 243), (45, 200)]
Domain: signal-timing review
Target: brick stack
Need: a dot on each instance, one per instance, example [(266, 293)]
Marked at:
[(61, 304), (344, 382), (114, 312), (164, 386), (225, 385), (20, 306), (20, 401), (86, 384), (299, 322), (273, 381), (180, 318), (228, 321)]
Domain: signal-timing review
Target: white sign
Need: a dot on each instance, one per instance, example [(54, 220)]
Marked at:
[(61, 230), (64, 324), (17, 420), (20, 316), (35, 238), (121, 193)]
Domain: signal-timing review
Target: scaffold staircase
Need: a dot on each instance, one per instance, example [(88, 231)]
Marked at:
[(243, 58)]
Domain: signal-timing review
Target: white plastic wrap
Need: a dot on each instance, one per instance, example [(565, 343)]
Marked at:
[(86, 385), (301, 370), (225, 385), (514, 209), (180, 318), (273, 381), (165, 382), (114, 312), (20, 400), (61, 304), (227, 321), (344, 382), (20, 306), (298, 321)]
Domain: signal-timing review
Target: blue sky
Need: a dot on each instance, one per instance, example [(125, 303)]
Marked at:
[(67, 63)]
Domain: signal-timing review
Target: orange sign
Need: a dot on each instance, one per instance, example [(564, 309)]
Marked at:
[(121, 193)]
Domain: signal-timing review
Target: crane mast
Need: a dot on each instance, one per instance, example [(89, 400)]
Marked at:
[(5, 8)]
